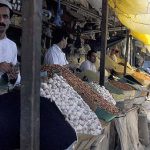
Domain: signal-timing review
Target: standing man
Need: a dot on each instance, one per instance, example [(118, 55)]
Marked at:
[(55, 55), (89, 64), (8, 49)]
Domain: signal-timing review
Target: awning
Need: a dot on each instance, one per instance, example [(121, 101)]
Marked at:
[(135, 15)]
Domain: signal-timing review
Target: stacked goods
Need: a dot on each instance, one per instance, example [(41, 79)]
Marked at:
[(103, 92), (92, 98), (72, 106), (16, 4)]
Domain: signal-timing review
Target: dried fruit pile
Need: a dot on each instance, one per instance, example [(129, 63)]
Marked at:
[(92, 98), (120, 85)]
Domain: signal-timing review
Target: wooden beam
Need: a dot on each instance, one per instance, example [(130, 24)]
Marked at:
[(30, 72), (134, 52), (131, 50), (104, 31), (127, 52)]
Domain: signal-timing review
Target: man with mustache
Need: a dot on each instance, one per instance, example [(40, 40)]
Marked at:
[(8, 49), (55, 132)]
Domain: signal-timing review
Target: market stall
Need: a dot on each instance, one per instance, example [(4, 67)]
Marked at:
[(88, 110), (129, 104), (90, 132)]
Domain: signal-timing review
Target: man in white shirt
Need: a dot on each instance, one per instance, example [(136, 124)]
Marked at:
[(89, 64), (8, 49), (55, 55)]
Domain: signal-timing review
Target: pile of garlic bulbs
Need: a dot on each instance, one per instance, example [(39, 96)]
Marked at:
[(72, 106), (103, 92)]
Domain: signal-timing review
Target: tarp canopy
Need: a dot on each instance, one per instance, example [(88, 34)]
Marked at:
[(135, 15), (145, 38), (137, 23), (134, 7)]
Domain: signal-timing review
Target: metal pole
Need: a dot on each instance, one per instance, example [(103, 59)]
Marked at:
[(104, 30), (30, 72), (126, 54)]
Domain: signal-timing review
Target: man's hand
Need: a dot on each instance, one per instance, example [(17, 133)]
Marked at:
[(5, 67), (13, 73)]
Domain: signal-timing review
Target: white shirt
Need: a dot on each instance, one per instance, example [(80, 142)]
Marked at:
[(87, 65), (8, 52), (55, 55)]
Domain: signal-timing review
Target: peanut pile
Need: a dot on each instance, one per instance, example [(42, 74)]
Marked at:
[(92, 98), (120, 85)]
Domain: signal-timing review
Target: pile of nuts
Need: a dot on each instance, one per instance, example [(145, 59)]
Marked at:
[(72, 106), (120, 85), (90, 96)]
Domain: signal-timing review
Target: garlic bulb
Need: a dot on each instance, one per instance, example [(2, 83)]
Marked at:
[(103, 92), (72, 106)]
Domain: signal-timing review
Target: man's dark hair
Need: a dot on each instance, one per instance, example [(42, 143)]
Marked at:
[(11, 12), (90, 53), (59, 34)]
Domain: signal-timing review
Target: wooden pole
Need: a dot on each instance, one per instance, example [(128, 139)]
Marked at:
[(104, 30), (126, 54), (30, 72), (134, 52), (131, 50)]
